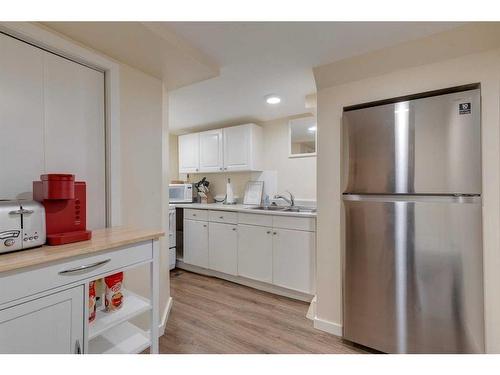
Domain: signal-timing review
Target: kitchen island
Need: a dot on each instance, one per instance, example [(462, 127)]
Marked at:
[(44, 295)]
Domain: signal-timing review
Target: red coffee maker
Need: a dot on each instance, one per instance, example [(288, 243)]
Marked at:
[(65, 203)]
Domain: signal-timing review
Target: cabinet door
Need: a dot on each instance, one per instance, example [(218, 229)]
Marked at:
[(255, 252), (47, 325), (237, 148), (294, 259), (189, 153), (222, 248), (196, 243), (211, 151)]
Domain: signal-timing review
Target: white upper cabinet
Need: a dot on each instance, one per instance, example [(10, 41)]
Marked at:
[(237, 148), (189, 153), (211, 155), (243, 148)]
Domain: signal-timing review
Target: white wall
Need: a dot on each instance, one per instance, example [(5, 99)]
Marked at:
[(143, 172), (480, 67), (295, 174)]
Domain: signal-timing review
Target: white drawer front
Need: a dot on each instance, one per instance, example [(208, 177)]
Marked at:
[(193, 214), (255, 219), (223, 217), (297, 223), (25, 283)]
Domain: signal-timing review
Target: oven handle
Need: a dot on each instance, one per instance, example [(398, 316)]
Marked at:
[(84, 267)]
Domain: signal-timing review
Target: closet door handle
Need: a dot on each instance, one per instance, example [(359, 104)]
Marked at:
[(84, 267)]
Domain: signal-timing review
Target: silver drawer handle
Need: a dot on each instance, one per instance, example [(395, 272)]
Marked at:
[(84, 267)]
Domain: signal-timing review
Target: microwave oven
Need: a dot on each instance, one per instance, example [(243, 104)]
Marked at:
[(180, 193)]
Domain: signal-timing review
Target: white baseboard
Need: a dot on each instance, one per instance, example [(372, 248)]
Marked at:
[(327, 326), (311, 311), (247, 282), (164, 319)]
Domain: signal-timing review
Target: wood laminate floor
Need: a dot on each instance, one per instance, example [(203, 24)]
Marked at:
[(211, 315)]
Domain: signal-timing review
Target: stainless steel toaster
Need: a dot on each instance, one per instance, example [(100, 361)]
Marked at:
[(22, 225)]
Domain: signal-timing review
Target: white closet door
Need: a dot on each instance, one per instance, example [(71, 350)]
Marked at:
[(21, 117), (74, 129)]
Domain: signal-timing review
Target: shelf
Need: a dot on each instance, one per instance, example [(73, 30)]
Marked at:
[(133, 305), (124, 338)]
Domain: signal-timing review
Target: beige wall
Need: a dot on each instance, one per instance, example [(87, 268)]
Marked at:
[(480, 67), (142, 128), (295, 174)]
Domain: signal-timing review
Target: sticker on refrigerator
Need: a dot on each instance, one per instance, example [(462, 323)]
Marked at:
[(464, 108)]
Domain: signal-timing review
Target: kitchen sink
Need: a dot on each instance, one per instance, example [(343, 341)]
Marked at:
[(269, 208), (285, 209), (300, 209)]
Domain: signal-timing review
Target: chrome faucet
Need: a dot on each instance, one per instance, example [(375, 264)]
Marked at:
[(290, 201)]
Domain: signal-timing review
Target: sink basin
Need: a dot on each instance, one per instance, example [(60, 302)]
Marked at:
[(285, 209), (269, 208), (300, 209)]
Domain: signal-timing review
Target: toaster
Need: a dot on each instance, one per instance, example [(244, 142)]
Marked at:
[(22, 225)]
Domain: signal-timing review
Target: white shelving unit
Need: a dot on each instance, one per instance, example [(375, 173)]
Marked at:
[(133, 305), (124, 338)]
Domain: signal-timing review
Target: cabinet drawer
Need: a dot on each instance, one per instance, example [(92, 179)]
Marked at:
[(223, 217), (21, 284), (193, 214), (255, 219), (297, 223)]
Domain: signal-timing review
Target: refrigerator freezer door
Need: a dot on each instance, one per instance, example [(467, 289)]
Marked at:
[(424, 146), (413, 274)]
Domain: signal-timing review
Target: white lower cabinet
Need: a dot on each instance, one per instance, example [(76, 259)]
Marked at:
[(255, 252), (222, 248), (278, 250), (196, 243), (294, 259), (51, 324)]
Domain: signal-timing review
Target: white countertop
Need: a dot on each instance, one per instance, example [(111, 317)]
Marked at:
[(241, 208)]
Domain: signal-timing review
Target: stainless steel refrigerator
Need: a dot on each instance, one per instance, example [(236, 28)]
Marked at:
[(413, 263)]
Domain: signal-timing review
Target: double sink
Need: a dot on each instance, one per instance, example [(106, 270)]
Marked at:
[(285, 209)]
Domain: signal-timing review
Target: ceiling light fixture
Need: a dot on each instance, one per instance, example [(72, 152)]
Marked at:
[(273, 99), (312, 129)]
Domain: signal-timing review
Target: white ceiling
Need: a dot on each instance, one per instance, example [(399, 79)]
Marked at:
[(257, 59), (148, 46)]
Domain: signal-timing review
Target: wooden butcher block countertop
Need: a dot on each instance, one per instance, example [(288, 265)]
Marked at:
[(102, 239)]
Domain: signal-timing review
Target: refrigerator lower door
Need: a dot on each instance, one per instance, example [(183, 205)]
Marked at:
[(413, 274)]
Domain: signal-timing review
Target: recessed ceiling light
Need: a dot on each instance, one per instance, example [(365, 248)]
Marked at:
[(273, 99), (312, 129)]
